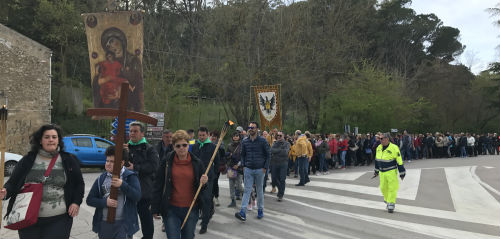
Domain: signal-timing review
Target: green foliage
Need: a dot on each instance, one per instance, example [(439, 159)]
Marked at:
[(368, 63), (373, 101)]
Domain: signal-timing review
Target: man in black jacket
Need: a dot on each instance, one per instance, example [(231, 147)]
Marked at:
[(143, 160), (204, 149), (165, 145)]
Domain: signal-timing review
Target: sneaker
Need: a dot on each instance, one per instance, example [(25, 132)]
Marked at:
[(280, 199), (217, 202), (241, 215), (249, 207), (300, 184), (317, 174), (203, 230), (390, 207), (325, 173), (255, 203), (232, 204), (260, 214), (273, 190), (295, 176)]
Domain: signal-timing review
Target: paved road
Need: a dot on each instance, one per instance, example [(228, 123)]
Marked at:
[(439, 198)]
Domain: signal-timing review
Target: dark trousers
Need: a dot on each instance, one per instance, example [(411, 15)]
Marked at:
[(207, 197), (146, 218), (216, 185), (279, 175), (56, 227)]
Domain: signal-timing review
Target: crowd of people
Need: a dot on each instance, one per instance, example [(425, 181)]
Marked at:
[(160, 181)]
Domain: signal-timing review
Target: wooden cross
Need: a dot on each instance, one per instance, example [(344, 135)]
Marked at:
[(122, 114), (3, 135)]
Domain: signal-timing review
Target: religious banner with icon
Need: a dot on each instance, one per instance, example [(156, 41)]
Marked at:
[(115, 51), (269, 105)]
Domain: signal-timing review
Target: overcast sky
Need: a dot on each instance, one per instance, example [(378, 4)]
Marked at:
[(477, 30)]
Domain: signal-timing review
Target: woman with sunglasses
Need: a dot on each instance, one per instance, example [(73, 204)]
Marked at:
[(177, 180)]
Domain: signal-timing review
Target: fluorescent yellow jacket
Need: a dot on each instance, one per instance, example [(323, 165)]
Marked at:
[(389, 159)]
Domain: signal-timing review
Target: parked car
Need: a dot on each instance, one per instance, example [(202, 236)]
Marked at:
[(89, 149), (11, 160)]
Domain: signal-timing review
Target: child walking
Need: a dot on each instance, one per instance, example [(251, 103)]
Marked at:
[(129, 193)]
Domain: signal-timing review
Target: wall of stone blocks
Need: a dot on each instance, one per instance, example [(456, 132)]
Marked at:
[(26, 84)]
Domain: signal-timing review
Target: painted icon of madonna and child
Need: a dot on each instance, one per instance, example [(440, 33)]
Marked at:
[(118, 67)]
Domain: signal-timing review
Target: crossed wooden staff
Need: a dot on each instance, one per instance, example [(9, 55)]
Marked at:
[(222, 134)]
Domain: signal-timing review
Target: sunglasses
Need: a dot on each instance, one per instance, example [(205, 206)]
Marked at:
[(251, 127), (279, 136), (179, 145)]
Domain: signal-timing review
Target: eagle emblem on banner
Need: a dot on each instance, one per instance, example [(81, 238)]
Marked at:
[(267, 104)]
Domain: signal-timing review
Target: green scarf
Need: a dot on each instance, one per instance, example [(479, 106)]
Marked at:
[(142, 141), (203, 143)]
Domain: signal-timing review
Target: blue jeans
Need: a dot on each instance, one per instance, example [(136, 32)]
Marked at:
[(406, 153), (174, 219), (342, 158), (279, 175), (303, 163), (252, 176), (463, 152), (322, 163), (296, 166)]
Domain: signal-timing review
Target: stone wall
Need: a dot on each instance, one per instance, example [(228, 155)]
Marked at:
[(25, 82)]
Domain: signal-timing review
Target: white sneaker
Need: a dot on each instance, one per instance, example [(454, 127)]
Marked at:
[(255, 203), (249, 207), (317, 174), (325, 173)]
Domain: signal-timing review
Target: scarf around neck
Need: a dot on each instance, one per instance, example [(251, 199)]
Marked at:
[(142, 141), (46, 154), (203, 143), (107, 181)]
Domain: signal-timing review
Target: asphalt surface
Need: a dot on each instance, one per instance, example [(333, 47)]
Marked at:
[(439, 198)]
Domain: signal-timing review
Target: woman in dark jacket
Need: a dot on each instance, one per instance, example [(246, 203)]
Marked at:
[(177, 180), (62, 190)]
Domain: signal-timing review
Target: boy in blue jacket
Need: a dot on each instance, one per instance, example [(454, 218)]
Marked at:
[(129, 193)]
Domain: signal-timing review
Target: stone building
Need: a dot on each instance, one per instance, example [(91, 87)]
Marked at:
[(25, 86)]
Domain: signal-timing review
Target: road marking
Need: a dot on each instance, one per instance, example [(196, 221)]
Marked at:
[(487, 218), (342, 176), (428, 230), (225, 235), (407, 189), (487, 186), (471, 200), (285, 220)]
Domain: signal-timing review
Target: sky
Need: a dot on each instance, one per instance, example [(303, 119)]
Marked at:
[(477, 30)]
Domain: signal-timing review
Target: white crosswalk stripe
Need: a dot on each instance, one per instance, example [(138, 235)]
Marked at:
[(471, 202)]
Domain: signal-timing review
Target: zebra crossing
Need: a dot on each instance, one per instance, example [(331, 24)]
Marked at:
[(470, 210), (434, 201)]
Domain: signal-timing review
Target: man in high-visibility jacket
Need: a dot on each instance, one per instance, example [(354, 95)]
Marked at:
[(387, 163)]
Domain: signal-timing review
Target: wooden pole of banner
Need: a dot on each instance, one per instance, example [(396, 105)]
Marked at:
[(3, 134)]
